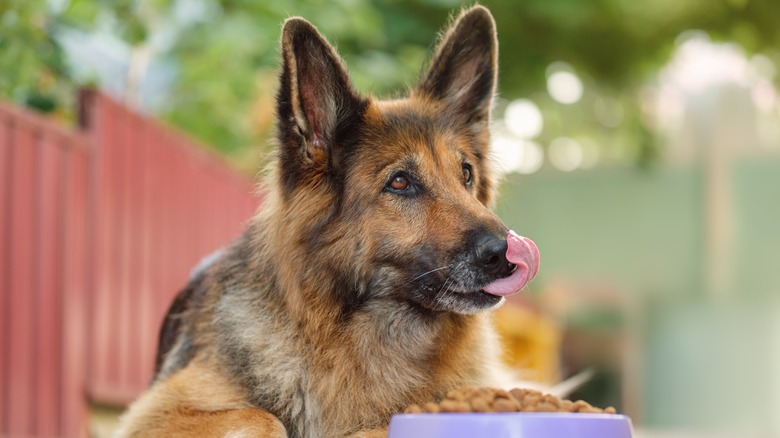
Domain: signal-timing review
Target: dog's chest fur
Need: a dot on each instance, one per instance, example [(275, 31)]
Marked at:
[(331, 377)]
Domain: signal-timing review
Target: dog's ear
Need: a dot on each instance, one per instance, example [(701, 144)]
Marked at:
[(464, 67), (316, 102)]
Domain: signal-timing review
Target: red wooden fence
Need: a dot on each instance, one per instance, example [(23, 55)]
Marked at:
[(44, 253), (99, 228)]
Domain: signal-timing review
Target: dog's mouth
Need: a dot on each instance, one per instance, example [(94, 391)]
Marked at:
[(465, 290), (496, 287), (444, 298)]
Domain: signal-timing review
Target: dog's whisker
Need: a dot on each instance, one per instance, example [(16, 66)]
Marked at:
[(429, 272), (438, 292), (442, 290)]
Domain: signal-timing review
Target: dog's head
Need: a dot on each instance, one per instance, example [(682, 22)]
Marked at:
[(393, 196)]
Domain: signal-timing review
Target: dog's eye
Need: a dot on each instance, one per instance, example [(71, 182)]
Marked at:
[(468, 176), (402, 184), (399, 182)]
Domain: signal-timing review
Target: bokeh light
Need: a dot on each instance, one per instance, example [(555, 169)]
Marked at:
[(563, 84), (523, 118)]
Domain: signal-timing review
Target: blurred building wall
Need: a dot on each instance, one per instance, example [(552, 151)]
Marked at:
[(707, 360)]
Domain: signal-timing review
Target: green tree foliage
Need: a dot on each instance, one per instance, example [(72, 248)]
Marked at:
[(618, 42), (32, 67), (226, 52)]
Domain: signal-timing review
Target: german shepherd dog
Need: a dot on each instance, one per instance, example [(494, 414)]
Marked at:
[(364, 283)]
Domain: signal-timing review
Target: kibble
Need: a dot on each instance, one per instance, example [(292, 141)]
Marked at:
[(470, 399)]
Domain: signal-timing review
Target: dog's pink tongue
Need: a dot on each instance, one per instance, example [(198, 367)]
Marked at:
[(522, 252)]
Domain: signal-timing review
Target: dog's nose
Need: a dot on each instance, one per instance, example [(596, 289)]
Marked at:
[(491, 257)]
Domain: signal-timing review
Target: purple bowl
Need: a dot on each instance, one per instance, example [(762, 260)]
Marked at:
[(510, 425)]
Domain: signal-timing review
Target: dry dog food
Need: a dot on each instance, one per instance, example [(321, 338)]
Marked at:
[(497, 400)]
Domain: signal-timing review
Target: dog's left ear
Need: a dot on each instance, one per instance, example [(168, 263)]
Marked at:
[(316, 103), (464, 68)]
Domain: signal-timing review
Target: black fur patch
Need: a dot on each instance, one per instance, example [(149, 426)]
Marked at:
[(172, 325)]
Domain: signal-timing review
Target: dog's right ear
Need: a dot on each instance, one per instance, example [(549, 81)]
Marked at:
[(316, 103)]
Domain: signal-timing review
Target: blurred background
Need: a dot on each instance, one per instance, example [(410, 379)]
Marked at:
[(639, 144)]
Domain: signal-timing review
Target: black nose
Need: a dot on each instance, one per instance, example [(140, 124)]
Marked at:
[(491, 257)]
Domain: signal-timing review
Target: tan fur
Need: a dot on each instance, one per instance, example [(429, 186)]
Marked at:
[(197, 401), (305, 322)]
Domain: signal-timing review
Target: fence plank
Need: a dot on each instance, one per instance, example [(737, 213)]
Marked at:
[(21, 381), (147, 338), (76, 254), (6, 159), (49, 282), (104, 331), (135, 371), (122, 309)]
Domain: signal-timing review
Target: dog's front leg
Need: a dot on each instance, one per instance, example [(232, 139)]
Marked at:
[(373, 433), (197, 402), (244, 423)]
